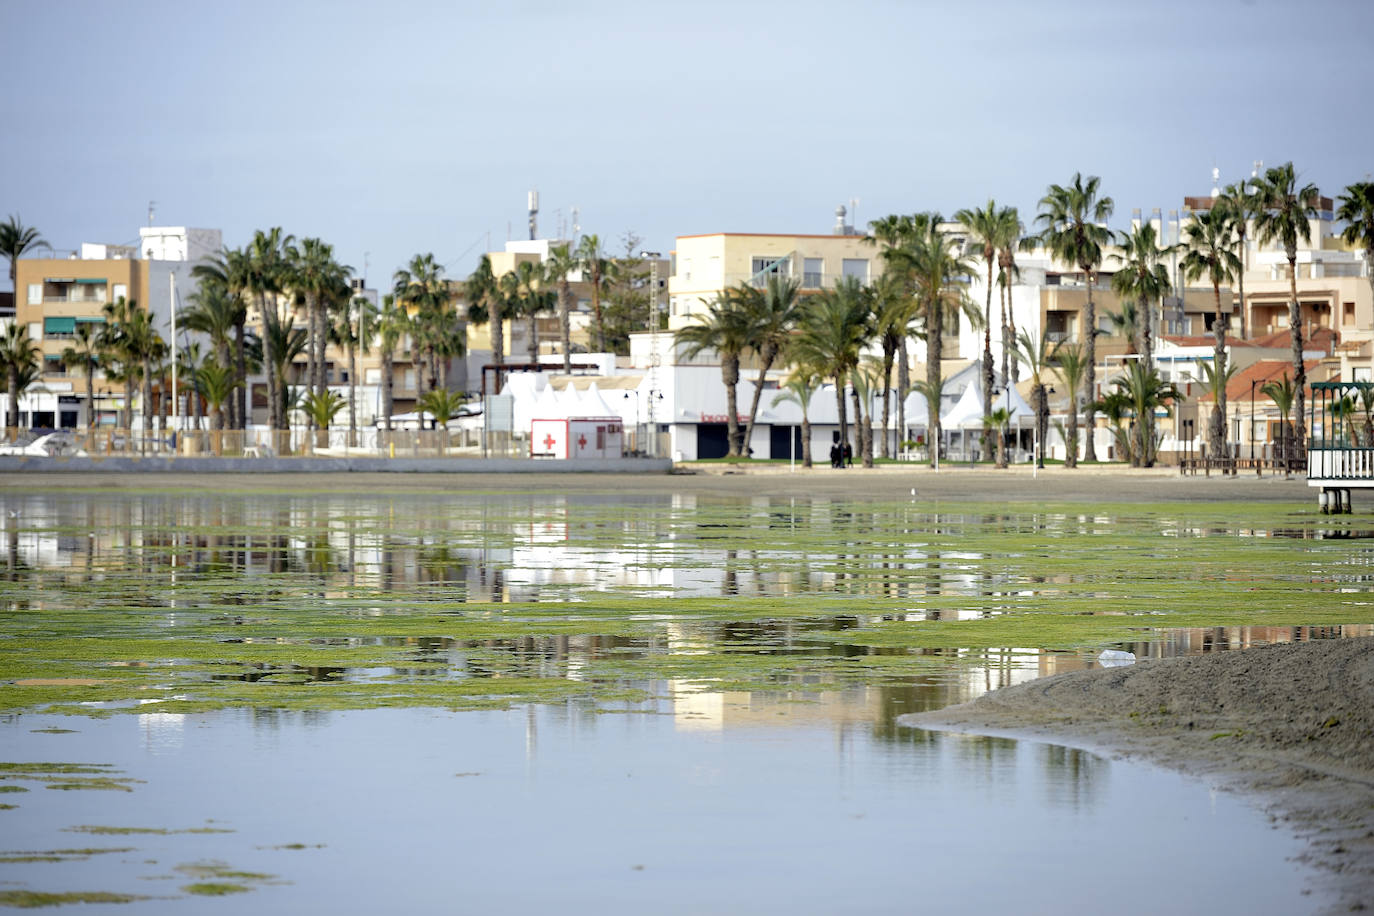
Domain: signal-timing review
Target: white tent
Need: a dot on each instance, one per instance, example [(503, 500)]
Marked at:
[(968, 412)]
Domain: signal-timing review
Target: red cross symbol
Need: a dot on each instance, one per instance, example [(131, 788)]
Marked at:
[(550, 441), (582, 441)]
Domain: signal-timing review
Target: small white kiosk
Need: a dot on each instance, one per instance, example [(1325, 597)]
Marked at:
[(575, 425)]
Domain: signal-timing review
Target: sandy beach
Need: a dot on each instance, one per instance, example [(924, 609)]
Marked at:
[(1291, 726)]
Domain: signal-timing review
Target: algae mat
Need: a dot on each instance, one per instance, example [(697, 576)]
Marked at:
[(184, 601)]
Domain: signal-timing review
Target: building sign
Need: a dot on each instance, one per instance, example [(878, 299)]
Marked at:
[(722, 418)]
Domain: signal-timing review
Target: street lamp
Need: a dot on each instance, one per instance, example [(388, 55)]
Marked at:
[(1252, 420), (655, 359)]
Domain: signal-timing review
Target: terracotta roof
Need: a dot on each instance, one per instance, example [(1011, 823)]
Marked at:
[(1266, 370), (1207, 340), (1323, 338)]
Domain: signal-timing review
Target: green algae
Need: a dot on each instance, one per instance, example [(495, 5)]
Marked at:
[(22, 899), (244, 603), (215, 888)]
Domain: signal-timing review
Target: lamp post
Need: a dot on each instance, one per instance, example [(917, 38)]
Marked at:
[(655, 359), (1252, 420), (628, 394)]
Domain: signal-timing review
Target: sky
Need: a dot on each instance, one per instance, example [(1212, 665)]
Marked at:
[(400, 128)]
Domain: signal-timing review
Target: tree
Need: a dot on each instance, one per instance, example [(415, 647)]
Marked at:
[(1209, 241), (1127, 323), (834, 327), (266, 277), (485, 303), (1282, 393), (724, 328), (1145, 392), (119, 348), (19, 357), (937, 272), (315, 275), (422, 290), (392, 324), (15, 240), (1214, 379), (84, 355), (990, 230), (216, 383), (1036, 353), (895, 315), (772, 313), (350, 330), (1072, 369), (282, 342), (322, 408), (1285, 212), (995, 422), (1357, 211), (444, 405), (560, 264), (230, 271), (535, 298), (1007, 272), (592, 262), (1242, 203), (800, 386), (1143, 279), (1072, 222)]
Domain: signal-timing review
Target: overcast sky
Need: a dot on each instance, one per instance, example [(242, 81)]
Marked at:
[(395, 128)]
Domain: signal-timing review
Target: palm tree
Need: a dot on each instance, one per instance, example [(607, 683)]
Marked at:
[(1007, 272), (990, 229), (724, 328), (1209, 241), (1072, 369), (1127, 323), (835, 326), (19, 357), (267, 276), (119, 346), (772, 313), (995, 422), (1144, 392), (230, 272), (392, 325), (315, 275), (282, 342), (15, 240), (937, 272), (1143, 279), (484, 299), (322, 409), (1073, 230), (214, 313), (798, 389), (594, 266), (1036, 353), (1214, 380), (562, 262), (1285, 212), (84, 356), (216, 383), (1242, 203), (349, 329), (1282, 393), (444, 405), (1357, 211), (423, 291), (895, 315)]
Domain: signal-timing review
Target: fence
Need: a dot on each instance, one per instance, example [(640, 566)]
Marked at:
[(297, 443)]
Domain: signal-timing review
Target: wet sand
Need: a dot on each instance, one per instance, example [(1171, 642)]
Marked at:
[(1290, 725)]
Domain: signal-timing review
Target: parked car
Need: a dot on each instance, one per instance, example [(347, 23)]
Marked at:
[(48, 445)]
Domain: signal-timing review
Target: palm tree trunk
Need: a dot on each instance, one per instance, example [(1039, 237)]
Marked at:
[(888, 352), (1042, 422), (12, 384), (754, 401), (388, 387), (1240, 277), (839, 408), (806, 439), (934, 347), (533, 347), (860, 440), (1299, 371), (241, 401), (1009, 343), (1217, 433), (1090, 373), (903, 388), (352, 397), (90, 398), (729, 368), (565, 322), (987, 356)]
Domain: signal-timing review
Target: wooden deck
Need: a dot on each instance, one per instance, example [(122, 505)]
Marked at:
[(1234, 466), (1340, 453)]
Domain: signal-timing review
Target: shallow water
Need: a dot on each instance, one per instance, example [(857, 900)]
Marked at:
[(660, 704), (563, 809)]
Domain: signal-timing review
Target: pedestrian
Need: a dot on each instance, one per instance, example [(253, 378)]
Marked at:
[(834, 454), (848, 454)]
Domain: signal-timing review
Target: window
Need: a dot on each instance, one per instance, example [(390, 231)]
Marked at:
[(855, 267), (761, 269), (813, 272), (35, 294), (1347, 313), (35, 330), (121, 291), (1361, 374)]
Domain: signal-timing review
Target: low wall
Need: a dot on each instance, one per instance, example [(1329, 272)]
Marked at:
[(189, 465)]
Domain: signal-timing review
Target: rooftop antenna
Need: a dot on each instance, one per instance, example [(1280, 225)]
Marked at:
[(576, 228), (366, 256), (1254, 172), (853, 214), (152, 207), (1216, 181), (534, 214)]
